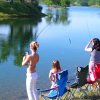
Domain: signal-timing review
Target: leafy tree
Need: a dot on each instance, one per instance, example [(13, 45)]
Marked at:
[(91, 2), (64, 2), (98, 2), (57, 2), (73, 2), (48, 2), (21, 1), (84, 2)]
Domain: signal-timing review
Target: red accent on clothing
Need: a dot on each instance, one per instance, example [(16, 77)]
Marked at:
[(97, 70)]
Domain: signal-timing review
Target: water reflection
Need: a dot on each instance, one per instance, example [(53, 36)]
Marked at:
[(57, 15), (14, 36)]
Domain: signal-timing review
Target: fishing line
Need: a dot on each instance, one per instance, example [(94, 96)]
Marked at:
[(88, 30), (68, 36), (69, 39), (43, 29)]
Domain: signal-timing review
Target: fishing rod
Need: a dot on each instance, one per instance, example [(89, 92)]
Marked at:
[(39, 35)]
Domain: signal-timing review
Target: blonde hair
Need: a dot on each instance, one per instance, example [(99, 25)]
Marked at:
[(34, 45)]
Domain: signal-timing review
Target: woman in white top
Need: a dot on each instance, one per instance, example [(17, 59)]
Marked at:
[(31, 59)]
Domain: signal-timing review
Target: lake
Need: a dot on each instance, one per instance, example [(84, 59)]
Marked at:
[(62, 35)]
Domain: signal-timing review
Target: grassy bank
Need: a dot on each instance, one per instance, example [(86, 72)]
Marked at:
[(19, 10), (87, 92)]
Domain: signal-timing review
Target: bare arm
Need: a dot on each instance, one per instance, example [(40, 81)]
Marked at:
[(51, 76), (25, 60), (88, 48)]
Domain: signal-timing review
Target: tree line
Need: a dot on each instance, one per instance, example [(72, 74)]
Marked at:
[(72, 2), (56, 2), (22, 1), (60, 2), (85, 2)]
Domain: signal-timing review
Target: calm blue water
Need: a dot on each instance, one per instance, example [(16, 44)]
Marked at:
[(62, 35)]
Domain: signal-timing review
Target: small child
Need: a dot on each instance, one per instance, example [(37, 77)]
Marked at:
[(52, 74)]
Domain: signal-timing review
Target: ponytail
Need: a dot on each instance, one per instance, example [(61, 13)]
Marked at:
[(34, 45)]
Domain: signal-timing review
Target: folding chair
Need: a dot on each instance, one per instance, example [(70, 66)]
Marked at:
[(61, 89), (80, 81)]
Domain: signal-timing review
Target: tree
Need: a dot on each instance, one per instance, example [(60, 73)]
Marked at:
[(11, 1), (48, 2), (98, 2), (64, 2), (84, 2), (91, 2), (73, 2), (21, 1), (57, 2)]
